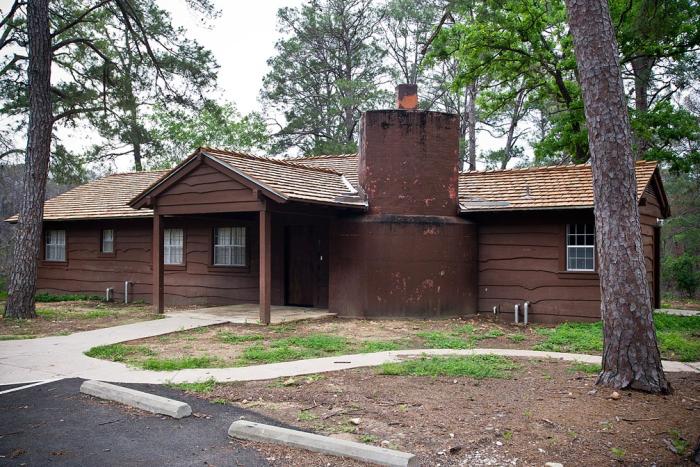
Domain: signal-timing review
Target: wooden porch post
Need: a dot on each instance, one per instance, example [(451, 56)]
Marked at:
[(265, 266), (157, 248)]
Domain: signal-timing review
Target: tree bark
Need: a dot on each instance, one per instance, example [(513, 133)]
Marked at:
[(631, 356), (642, 69), (22, 286), (471, 124)]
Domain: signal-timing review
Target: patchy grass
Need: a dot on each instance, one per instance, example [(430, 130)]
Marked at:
[(231, 338), (58, 315), (172, 364), (475, 366), (118, 352), (519, 337), (379, 346), (678, 336), (201, 387), (14, 337), (590, 368), (443, 340)]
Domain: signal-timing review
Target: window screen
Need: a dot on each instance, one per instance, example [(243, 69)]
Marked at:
[(229, 246), (55, 245), (580, 247), (172, 246)]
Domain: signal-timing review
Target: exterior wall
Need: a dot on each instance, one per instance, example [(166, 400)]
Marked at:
[(649, 212)]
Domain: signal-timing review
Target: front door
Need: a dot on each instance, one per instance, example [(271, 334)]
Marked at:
[(302, 265)]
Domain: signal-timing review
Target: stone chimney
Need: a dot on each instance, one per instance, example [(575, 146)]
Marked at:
[(409, 159)]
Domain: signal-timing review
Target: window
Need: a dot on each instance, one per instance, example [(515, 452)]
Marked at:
[(108, 241), (55, 245), (580, 247), (172, 246), (229, 246)]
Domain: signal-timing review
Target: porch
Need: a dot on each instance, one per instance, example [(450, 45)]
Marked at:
[(249, 313)]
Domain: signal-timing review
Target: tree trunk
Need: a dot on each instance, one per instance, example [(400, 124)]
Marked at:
[(138, 165), (642, 69), (471, 124), (631, 356), (22, 286)]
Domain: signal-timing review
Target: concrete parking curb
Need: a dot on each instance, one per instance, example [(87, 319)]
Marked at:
[(253, 431), (138, 399)]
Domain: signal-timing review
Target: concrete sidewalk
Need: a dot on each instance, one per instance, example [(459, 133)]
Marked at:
[(30, 360)]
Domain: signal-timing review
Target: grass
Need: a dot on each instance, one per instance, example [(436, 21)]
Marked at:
[(13, 337), (590, 368), (118, 352), (618, 453), (476, 366), (678, 337), (172, 364), (200, 387), (296, 348), (59, 315), (442, 340), (46, 298), (230, 338), (379, 346), (519, 337)]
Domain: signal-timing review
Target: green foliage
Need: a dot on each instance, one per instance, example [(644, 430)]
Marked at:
[(118, 352), (681, 346), (200, 387), (221, 126), (476, 366), (519, 337), (378, 346), (296, 348), (572, 337), (441, 340), (618, 453), (683, 271), (56, 315), (231, 338), (48, 298)]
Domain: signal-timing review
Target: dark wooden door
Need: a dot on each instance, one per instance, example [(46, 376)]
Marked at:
[(302, 265)]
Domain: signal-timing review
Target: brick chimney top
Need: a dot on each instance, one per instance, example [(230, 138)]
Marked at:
[(407, 96)]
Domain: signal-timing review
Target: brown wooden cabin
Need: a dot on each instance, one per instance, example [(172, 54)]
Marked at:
[(394, 231)]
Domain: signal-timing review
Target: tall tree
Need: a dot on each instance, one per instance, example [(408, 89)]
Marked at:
[(37, 38), (631, 357), (326, 70)]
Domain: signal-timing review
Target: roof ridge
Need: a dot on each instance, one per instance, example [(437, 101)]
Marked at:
[(282, 162), (324, 156), (134, 172), (544, 167)]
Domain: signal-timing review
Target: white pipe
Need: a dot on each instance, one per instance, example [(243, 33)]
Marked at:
[(108, 294), (126, 292), (526, 309), (517, 312), (495, 310)]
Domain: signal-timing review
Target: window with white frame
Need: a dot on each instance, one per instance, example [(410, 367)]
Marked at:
[(55, 246), (580, 247), (173, 240), (229, 246), (108, 241)]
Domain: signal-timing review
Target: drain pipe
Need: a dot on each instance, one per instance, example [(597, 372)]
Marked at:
[(517, 313), (495, 310), (126, 291), (109, 294), (526, 309)]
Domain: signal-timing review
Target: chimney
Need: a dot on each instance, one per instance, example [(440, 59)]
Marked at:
[(407, 96), (409, 159)]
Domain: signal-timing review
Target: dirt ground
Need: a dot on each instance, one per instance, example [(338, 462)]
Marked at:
[(404, 333), (62, 318), (547, 412)]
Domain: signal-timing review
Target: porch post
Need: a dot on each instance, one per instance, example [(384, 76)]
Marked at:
[(157, 249), (265, 265)]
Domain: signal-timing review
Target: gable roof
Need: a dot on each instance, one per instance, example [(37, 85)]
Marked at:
[(346, 164), (104, 198), (282, 180), (555, 187)]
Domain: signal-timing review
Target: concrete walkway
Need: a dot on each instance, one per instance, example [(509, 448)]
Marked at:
[(30, 360), (671, 311)]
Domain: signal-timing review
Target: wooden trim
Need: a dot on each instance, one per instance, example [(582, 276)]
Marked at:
[(179, 266), (248, 244), (657, 267), (242, 178), (146, 197), (102, 254), (158, 269), (265, 235)]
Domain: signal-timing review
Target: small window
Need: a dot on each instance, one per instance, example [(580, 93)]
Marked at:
[(108, 241), (580, 247), (55, 248), (172, 246), (229, 246)]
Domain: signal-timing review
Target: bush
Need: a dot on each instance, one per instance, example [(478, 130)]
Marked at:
[(683, 272)]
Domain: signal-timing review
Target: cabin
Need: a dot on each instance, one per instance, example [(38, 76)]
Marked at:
[(394, 231)]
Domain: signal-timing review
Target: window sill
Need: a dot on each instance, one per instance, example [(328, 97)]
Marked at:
[(54, 264), (230, 269), (577, 275), (174, 267)]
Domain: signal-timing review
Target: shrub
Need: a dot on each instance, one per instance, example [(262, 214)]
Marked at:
[(683, 271)]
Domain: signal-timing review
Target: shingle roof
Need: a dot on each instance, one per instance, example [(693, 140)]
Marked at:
[(291, 180), (566, 186), (324, 179), (104, 198)]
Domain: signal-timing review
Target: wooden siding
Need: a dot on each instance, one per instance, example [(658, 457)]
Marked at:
[(649, 212)]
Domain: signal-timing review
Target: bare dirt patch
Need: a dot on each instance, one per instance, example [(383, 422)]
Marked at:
[(545, 412), (62, 318)]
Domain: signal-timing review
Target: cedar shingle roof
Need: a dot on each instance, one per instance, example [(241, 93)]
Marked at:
[(104, 198), (566, 186), (291, 180), (326, 179)]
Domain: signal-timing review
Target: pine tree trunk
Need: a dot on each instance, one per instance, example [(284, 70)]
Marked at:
[(471, 124), (631, 356), (642, 68), (22, 286)]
